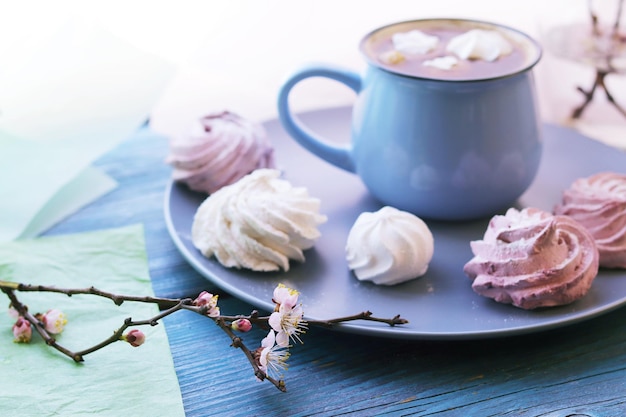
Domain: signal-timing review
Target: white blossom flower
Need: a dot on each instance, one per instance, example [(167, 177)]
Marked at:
[(54, 321), (273, 357), (288, 324), (287, 319), (285, 296)]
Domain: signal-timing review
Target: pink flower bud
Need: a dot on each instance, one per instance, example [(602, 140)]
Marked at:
[(135, 337), (54, 321), (208, 300), (241, 325), (22, 331), (205, 298)]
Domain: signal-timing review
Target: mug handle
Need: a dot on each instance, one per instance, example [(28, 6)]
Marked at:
[(338, 155)]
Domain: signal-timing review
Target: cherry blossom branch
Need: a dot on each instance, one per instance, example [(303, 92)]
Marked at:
[(588, 95), (365, 315), (117, 299), (237, 342), (285, 323), (601, 74), (618, 17), (23, 311), (594, 18), (117, 335)]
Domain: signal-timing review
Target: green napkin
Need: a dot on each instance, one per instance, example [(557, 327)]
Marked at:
[(117, 380), (33, 173), (87, 186)]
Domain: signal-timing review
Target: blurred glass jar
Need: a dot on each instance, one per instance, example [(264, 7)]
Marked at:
[(583, 76)]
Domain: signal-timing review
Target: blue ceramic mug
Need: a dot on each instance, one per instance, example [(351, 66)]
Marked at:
[(439, 143)]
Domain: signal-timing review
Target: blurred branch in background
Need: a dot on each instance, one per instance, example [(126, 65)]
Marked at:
[(607, 46)]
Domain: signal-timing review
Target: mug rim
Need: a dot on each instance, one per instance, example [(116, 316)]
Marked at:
[(531, 61)]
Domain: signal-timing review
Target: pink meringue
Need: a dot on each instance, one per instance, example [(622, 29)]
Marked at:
[(598, 202), (220, 149), (531, 258)]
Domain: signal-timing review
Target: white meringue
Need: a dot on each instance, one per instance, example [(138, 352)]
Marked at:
[(259, 223), (389, 246)]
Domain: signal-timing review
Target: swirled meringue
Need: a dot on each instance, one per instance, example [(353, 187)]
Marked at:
[(598, 202), (259, 223), (389, 246), (220, 149), (531, 258)]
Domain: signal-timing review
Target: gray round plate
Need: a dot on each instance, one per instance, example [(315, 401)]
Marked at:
[(439, 305)]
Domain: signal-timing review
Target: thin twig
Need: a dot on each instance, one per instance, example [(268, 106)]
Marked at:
[(616, 24), (601, 74), (117, 335), (594, 18), (117, 299), (261, 321), (237, 342), (365, 315), (50, 341)]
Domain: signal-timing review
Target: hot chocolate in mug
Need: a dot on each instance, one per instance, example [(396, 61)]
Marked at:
[(445, 124)]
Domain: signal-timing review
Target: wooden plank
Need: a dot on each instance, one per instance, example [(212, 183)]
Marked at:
[(580, 369), (564, 371)]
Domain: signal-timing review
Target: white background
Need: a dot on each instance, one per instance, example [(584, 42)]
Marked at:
[(234, 54)]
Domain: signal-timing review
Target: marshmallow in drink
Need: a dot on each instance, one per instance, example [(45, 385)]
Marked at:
[(443, 62), (487, 45), (414, 42)]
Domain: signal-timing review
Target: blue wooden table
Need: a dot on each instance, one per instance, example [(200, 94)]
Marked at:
[(578, 370)]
